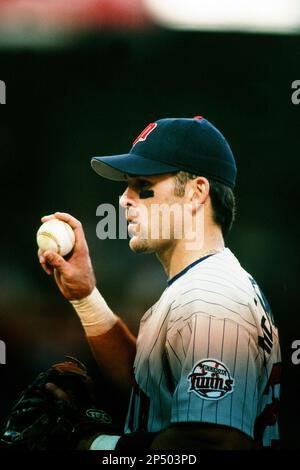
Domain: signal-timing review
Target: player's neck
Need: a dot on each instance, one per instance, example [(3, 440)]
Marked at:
[(179, 256)]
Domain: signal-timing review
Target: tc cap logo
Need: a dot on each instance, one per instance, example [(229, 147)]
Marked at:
[(211, 379), (144, 134)]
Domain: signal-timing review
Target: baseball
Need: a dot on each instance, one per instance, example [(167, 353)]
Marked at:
[(56, 235)]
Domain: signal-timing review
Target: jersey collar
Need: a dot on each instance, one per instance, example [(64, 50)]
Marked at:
[(185, 270)]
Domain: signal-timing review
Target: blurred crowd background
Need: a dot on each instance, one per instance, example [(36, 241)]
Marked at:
[(84, 79)]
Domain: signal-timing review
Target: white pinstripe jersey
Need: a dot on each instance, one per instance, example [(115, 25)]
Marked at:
[(208, 351)]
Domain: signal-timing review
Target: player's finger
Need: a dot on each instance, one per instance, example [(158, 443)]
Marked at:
[(45, 218), (57, 392), (47, 269), (72, 221), (54, 260), (43, 263)]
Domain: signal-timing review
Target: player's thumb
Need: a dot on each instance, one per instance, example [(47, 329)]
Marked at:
[(54, 260)]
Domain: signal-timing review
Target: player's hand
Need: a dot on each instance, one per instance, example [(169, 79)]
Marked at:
[(74, 276)]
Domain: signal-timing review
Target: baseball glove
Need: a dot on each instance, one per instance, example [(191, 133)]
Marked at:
[(40, 421)]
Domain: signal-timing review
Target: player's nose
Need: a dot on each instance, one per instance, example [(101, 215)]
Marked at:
[(127, 199)]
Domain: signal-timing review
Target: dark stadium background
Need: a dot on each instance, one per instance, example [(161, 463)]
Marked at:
[(67, 104)]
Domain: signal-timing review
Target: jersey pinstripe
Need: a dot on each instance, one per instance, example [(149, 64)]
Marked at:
[(208, 351)]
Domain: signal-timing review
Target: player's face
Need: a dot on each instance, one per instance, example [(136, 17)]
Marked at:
[(147, 201)]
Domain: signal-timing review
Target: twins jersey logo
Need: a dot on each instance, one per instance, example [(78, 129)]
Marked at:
[(144, 134), (211, 380)]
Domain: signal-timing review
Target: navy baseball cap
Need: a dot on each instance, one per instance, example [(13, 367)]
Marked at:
[(170, 145)]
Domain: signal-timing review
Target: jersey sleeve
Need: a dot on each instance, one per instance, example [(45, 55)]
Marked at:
[(213, 361)]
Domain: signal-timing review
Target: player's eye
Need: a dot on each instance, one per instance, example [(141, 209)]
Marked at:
[(142, 184), (145, 184)]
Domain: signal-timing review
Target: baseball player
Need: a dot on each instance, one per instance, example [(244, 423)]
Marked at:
[(204, 371)]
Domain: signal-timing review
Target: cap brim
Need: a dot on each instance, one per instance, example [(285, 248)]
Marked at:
[(116, 167)]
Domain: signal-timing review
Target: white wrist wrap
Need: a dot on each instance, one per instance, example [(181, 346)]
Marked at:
[(105, 442), (95, 315)]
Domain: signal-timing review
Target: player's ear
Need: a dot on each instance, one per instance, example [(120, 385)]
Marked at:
[(199, 191)]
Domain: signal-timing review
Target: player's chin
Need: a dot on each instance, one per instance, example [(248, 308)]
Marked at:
[(141, 245)]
